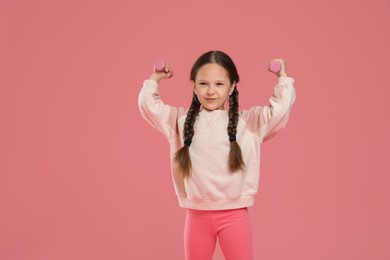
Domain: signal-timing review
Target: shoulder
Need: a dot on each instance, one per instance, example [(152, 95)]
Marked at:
[(253, 111)]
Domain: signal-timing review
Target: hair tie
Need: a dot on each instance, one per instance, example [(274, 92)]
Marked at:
[(232, 137), (187, 142)]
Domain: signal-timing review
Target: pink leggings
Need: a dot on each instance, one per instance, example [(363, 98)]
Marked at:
[(233, 228)]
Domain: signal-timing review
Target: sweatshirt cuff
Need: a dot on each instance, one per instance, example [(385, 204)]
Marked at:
[(150, 82), (285, 80)]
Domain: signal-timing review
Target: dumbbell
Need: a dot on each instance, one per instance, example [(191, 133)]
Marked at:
[(275, 66), (159, 65)]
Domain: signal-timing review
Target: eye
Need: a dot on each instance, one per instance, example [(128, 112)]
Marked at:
[(219, 83), (202, 83)]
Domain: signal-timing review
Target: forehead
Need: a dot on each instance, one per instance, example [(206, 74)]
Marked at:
[(212, 71)]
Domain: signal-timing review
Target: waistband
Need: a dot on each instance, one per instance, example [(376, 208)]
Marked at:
[(201, 211), (216, 204)]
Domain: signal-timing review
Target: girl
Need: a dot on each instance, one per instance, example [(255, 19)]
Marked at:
[(215, 153)]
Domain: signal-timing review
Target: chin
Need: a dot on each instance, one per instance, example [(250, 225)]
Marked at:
[(211, 108)]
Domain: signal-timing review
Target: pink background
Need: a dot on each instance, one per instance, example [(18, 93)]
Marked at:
[(83, 176)]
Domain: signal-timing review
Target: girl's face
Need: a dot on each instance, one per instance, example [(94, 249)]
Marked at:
[(212, 86)]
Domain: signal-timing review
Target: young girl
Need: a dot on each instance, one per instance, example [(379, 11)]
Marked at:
[(215, 153)]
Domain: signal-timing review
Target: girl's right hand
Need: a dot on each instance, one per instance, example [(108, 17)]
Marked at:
[(282, 71), (157, 76)]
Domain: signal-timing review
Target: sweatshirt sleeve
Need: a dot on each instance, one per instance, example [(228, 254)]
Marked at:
[(267, 121), (161, 116)]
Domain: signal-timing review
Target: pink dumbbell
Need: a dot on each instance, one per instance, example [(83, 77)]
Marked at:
[(274, 66), (159, 65)]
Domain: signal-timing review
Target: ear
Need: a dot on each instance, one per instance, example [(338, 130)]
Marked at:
[(193, 86), (232, 88)]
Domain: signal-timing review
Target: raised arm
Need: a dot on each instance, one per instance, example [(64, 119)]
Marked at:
[(161, 116), (267, 121)]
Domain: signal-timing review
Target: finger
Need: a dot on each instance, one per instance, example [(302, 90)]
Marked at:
[(169, 71), (167, 68)]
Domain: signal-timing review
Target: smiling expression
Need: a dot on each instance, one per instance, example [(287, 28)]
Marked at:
[(212, 86)]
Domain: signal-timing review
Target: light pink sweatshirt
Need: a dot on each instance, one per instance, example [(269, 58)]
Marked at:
[(210, 185)]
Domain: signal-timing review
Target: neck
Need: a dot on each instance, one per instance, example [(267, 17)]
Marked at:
[(209, 111)]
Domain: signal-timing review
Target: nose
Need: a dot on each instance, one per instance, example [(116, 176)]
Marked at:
[(210, 91)]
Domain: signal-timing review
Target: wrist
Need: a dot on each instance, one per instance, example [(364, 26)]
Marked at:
[(155, 78)]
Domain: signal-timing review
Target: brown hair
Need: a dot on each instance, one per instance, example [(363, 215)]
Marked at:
[(182, 156)]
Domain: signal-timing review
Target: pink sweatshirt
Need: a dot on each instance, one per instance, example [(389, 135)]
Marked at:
[(210, 185)]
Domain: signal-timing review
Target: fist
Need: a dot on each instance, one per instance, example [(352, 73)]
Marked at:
[(282, 71), (159, 74)]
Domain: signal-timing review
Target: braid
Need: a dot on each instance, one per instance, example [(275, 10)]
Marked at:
[(190, 119), (182, 156), (235, 157)]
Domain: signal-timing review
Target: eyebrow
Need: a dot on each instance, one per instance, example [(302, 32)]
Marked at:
[(220, 80)]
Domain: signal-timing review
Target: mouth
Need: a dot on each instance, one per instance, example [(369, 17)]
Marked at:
[(211, 99)]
